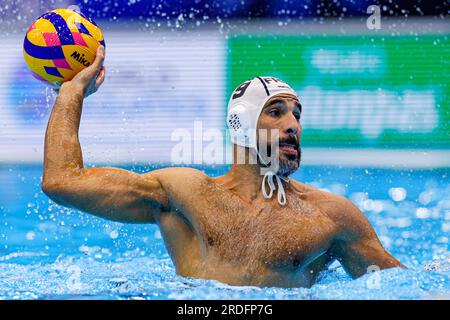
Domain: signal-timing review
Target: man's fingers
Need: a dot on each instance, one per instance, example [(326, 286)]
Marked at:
[(93, 70), (100, 77), (93, 76), (99, 58)]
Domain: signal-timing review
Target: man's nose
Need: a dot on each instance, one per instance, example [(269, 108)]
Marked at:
[(293, 127), (292, 131)]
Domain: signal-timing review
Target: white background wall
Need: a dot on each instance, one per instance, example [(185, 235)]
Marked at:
[(154, 85)]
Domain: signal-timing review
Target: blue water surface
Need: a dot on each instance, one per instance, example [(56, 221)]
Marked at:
[(51, 252)]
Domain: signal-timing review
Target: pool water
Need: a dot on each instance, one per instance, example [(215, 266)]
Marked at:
[(50, 252)]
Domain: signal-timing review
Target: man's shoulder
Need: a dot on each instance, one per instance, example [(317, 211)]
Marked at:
[(180, 179), (316, 194), (178, 172), (337, 207)]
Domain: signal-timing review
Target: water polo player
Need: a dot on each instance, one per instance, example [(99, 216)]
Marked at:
[(252, 226)]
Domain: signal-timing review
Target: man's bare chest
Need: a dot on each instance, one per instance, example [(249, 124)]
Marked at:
[(264, 233)]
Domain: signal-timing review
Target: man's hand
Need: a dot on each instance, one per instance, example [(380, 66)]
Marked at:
[(88, 80)]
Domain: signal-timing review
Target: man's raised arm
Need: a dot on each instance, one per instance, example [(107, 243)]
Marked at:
[(111, 193)]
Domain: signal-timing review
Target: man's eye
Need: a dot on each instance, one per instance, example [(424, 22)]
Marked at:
[(274, 113), (297, 115)]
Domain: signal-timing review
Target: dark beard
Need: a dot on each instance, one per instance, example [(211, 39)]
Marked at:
[(287, 166)]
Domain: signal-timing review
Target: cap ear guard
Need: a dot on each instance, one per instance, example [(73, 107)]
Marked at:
[(238, 121)]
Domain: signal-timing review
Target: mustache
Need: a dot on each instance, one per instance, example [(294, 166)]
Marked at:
[(290, 142), (271, 148)]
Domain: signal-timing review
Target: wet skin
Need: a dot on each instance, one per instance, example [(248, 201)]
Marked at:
[(216, 228)]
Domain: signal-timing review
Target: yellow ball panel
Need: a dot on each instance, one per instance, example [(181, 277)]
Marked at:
[(43, 25), (91, 43), (35, 34)]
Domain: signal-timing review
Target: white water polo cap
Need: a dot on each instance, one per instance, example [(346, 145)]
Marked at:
[(245, 106)]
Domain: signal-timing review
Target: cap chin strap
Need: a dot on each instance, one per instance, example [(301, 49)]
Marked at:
[(281, 193), (268, 178)]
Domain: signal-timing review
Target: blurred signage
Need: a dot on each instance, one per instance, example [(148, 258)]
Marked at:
[(156, 83), (357, 91)]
